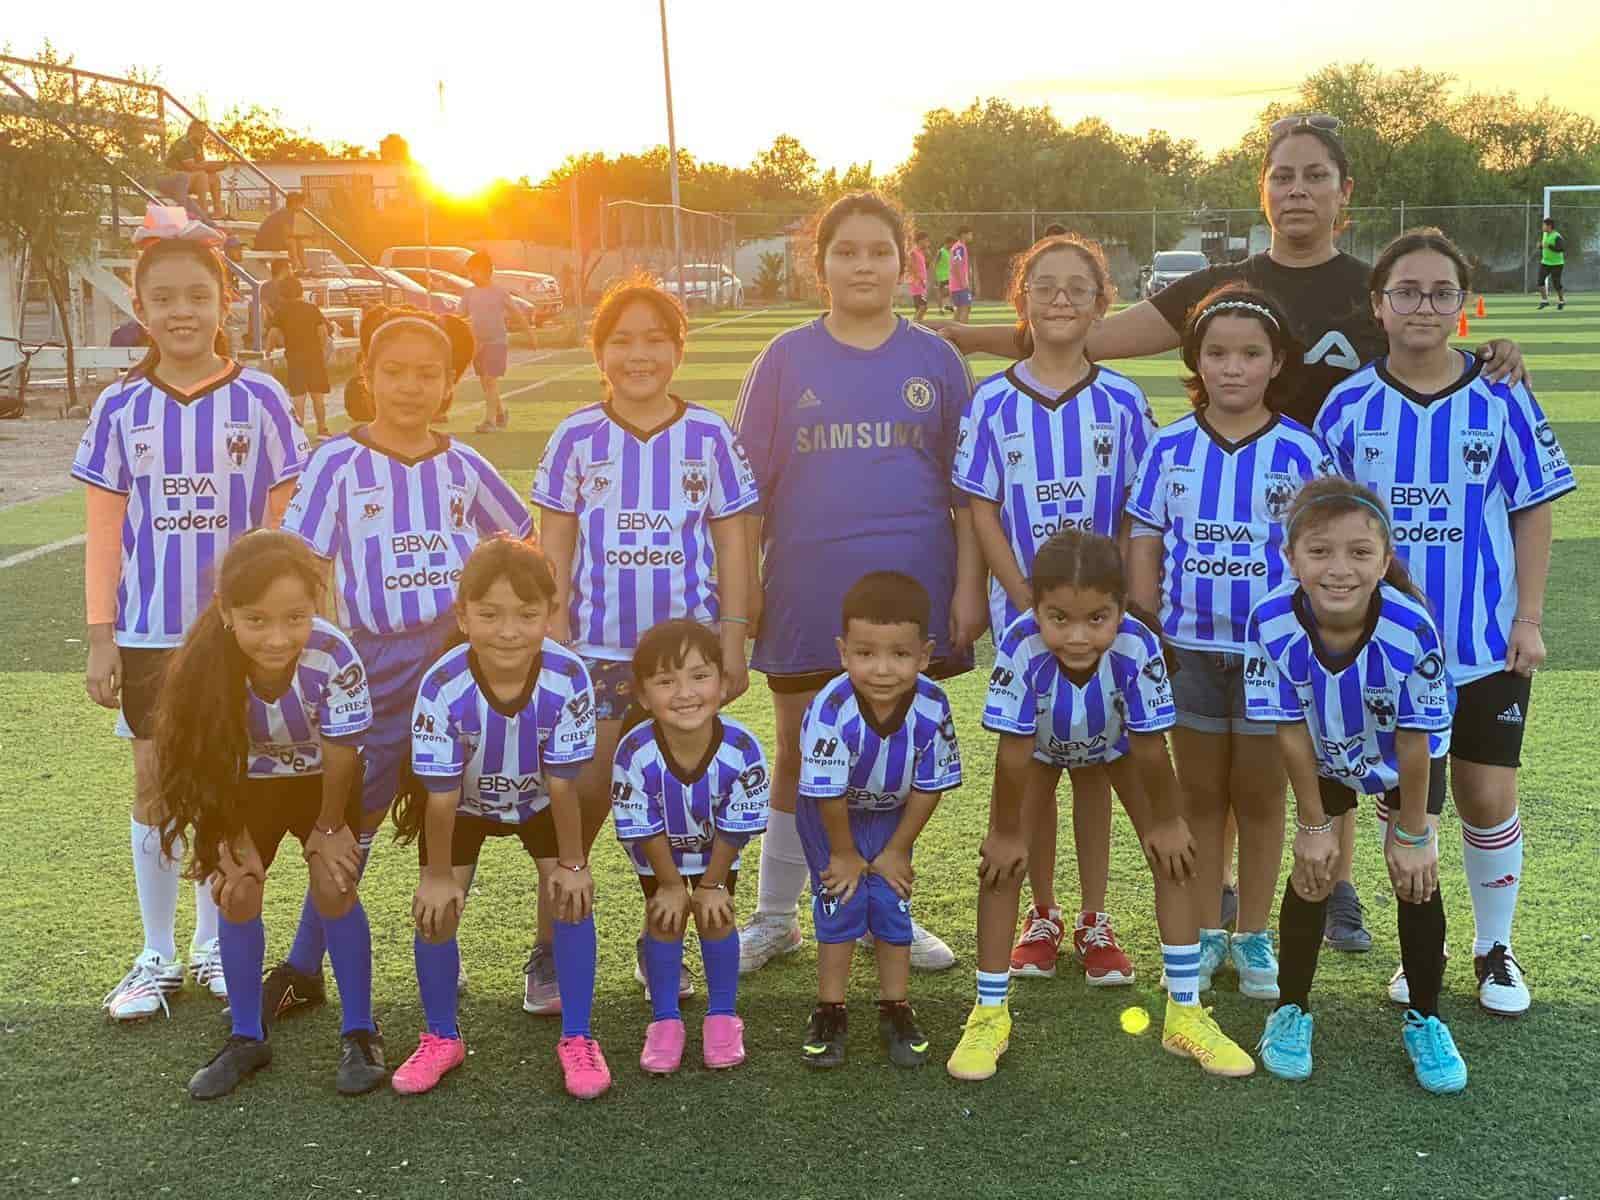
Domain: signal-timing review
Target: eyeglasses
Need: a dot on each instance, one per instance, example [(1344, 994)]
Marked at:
[(1445, 301), (1322, 121), (1045, 291)]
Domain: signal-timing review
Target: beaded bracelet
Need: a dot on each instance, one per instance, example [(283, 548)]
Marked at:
[(1413, 840), (1527, 621), (1325, 827)]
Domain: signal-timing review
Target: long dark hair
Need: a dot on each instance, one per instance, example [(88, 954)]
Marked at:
[(1092, 562), (524, 566), (867, 204), (201, 738), (1090, 253), (196, 252), (1331, 496), (1274, 322)]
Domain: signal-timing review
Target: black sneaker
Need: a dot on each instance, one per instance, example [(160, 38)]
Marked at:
[(1544, 304), (825, 1036), (901, 1037), (286, 989), (360, 1062), (239, 1058)]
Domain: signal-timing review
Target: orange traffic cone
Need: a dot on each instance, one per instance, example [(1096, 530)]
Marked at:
[(1480, 308), (1461, 325)]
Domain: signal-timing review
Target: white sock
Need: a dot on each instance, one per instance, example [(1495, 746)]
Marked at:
[(1182, 967), (1384, 816), (205, 915), (783, 867), (993, 988), (1493, 860), (156, 878)]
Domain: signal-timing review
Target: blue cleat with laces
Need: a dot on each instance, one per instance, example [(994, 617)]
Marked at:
[(1439, 1066), (1257, 964), (1285, 1046)]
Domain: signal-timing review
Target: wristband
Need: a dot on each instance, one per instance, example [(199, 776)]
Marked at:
[(1526, 621), (1325, 827), (1413, 840), (736, 620), (334, 830), (715, 887), (583, 866)]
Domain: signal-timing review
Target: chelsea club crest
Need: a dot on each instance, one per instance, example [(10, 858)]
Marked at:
[(918, 394)]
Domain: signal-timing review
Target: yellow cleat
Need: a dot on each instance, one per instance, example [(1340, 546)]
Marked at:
[(1192, 1032), (987, 1034)]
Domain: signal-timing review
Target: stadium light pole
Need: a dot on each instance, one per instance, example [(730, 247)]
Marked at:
[(672, 157)]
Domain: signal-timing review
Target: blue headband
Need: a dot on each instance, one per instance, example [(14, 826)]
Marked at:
[(1376, 510)]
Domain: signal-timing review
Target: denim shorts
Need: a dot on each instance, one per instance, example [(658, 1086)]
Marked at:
[(1208, 688)]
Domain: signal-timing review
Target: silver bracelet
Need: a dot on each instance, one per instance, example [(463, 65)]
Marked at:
[(1325, 827), (716, 887)]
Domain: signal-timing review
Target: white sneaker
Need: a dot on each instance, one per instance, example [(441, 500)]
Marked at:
[(144, 990), (685, 975), (765, 938), (205, 964), (1400, 990), (1501, 988), (928, 951)]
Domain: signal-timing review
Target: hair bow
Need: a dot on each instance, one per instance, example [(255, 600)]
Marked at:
[(167, 221)]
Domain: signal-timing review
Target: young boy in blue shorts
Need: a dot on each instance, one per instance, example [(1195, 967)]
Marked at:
[(878, 747)]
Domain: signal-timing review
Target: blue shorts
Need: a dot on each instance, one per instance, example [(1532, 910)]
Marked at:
[(613, 686), (490, 360), (874, 908), (395, 664), (1208, 689), (961, 299)]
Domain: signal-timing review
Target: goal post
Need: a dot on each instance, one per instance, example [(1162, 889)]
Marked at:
[(1567, 187)]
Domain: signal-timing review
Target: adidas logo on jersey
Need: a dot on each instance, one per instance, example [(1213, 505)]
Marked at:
[(808, 399), (1512, 715), (1504, 881)]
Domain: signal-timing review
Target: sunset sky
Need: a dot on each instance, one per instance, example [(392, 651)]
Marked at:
[(527, 84)]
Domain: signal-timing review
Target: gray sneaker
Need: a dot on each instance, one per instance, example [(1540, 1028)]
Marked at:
[(1346, 928), (361, 1065), (540, 993)]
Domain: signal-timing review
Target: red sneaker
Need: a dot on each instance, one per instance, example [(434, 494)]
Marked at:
[(1040, 944), (1095, 945)]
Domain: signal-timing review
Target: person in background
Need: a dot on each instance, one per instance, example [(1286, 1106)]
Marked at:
[(299, 327), (287, 230), (917, 275), (963, 279), (189, 174), (941, 273), (490, 310), (1552, 259)]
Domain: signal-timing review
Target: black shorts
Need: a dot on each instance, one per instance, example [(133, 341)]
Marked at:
[(538, 835), (307, 376), (648, 883), (815, 681), (1553, 274), (1338, 799), (142, 670), (1491, 715), (290, 804)]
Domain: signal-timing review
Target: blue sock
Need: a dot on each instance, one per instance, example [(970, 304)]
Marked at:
[(575, 959), (310, 939), (662, 963), (438, 963), (721, 961), (350, 950), (244, 953)]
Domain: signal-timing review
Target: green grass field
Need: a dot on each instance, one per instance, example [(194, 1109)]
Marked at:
[(1079, 1107)]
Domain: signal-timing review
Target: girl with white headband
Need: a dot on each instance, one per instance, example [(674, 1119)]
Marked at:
[(1215, 486), (398, 507)]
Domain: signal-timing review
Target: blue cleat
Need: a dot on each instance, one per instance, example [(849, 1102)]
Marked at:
[(1285, 1046), (1257, 965), (1213, 953), (1439, 1066)]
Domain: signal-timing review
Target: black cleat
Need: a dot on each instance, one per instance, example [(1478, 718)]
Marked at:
[(286, 989), (902, 1038), (825, 1037), (360, 1062), (239, 1058)]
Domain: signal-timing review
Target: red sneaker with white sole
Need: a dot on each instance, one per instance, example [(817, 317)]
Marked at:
[(1094, 943), (1039, 946)]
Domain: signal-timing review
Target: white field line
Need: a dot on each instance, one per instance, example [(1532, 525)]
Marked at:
[(16, 560)]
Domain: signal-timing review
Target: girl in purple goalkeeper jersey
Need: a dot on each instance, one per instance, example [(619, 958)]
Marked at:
[(851, 423), (397, 507)]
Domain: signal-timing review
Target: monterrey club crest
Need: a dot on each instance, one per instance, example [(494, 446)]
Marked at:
[(918, 394), (1476, 449), (1277, 495), (458, 509), (695, 483), (238, 448)]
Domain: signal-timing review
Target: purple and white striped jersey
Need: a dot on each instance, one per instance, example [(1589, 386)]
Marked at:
[(399, 531), (726, 792), (498, 753), (1078, 725), (1051, 464), (1452, 467), (327, 697), (875, 767), (1395, 678), (644, 504), (196, 469), (1220, 507)]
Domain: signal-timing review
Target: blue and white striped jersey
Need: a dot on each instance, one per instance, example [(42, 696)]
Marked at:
[(1073, 724), (876, 767), (327, 697), (1452, 468), (1352, 703), (1049, 464), (498, 753), (196, 469), (399, 531), (725, 792), (1220, 507), (644, 505)]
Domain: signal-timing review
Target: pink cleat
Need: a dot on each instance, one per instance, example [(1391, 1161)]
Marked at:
[(722, 1042), (663, 1046), (584, 1067), (433, 1059)]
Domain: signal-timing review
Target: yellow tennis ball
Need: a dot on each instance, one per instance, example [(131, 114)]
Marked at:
[(1135, 1020)]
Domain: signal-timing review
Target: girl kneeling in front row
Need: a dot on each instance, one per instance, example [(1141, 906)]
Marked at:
[(503, 723)]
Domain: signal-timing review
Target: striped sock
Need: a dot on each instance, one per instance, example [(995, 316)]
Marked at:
[(1182, 965), (1493, 861), (1384, 817), (992, 988)]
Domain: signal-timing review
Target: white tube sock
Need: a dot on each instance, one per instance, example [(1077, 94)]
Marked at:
[(205, 915), (155, 876)]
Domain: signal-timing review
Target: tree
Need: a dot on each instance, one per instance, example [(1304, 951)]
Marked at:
[(785, 174), (259, 133), (394, 149)]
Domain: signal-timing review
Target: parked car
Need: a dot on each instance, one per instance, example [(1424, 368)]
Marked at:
[(540, 290), (455, 286), (706, 285), (404, 290), (1167, 267)]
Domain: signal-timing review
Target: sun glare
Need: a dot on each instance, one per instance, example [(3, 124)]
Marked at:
[(456, 167)]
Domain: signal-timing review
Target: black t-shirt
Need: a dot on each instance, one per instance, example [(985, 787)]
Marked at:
[(273, 233), (299, 320), (1327, 306)]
